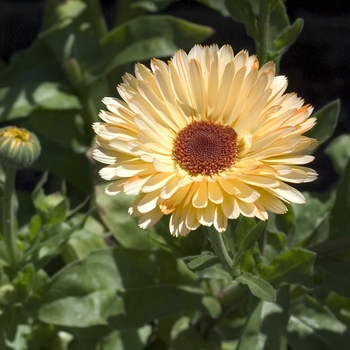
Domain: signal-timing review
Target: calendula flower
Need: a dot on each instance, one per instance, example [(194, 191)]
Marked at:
[(205, 138)]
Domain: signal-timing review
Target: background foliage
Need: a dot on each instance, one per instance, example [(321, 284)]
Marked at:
[(88, 277)]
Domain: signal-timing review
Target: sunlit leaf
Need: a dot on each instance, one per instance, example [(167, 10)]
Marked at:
[(259, 287), (292, 266)]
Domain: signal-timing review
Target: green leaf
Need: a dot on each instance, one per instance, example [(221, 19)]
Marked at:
[(313, 327), (34, 80), (336, 274), (292, 266), (259, 287), (327, 120), (339, 223), (339, 152), (241, 11), (207, 266), (249, 337), (186, 336), (309, 216), (216, 5), (120, 287), (249, 240), (143, 38)]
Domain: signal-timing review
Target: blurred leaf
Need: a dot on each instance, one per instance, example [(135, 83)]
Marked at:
[(241, 11), (143, 38), (153, 5), (258, 287), (217, 5), (113, 211), (339, 223), (33, 79), (339, 152), (249, 240), (336, 274), (327, 120), (135, 339), (249, 337), (114, 286), (186, 336), (313, 327), (24, 281), (292, 266), (62, 127)]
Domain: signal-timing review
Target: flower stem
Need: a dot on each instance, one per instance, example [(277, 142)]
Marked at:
[(219, 247), (263, 30), (8, 229)]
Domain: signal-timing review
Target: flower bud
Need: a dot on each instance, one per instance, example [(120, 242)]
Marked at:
[(18, 147)]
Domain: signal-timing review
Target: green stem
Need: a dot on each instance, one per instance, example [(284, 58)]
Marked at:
[(218, 244), (263, 31), (9, 215)]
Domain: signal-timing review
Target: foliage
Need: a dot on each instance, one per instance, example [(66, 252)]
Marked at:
[(87, 277)]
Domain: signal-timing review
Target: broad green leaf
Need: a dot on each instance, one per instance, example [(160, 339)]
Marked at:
[(259, 287), (217, 5), (311, 215), (113, 211), (143, 38), (274, 321), (208, 266), (336, 274), (64, 128), (313, 327), (33, 79), (241, 11), (249, 240), (327, 120), (124, 288), (85, 240), (339, 223), (292, 266), (249, 337), (339, 152)]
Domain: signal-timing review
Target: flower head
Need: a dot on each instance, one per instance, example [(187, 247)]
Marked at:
[(18, 147), (205, 138)]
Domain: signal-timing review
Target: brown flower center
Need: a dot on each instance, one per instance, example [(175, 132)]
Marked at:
[(205, 148)]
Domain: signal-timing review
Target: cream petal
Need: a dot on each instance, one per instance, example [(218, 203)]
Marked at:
[(148, 202), (150, 219), (215, 193), (156, 182), (220, 220), (200, 198), (115, 187)]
